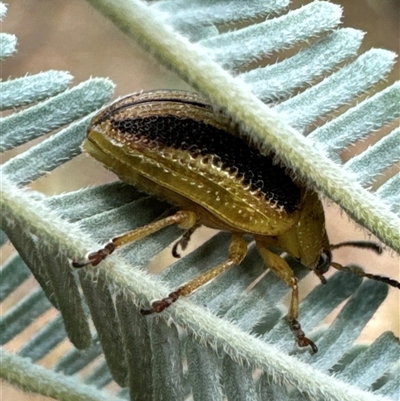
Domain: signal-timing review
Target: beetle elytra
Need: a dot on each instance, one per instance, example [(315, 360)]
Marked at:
[(173, 145)]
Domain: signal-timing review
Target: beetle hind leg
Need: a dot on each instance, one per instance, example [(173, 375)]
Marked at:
[(237, 252), (280, 267), (184, 219)]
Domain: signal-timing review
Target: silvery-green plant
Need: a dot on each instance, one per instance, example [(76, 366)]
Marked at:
[(237, 346)]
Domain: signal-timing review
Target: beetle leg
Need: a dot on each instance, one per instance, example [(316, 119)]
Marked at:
[(184, 240), (184, 219), (280, 267), (237, 252)]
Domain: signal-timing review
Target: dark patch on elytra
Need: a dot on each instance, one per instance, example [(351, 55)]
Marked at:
[(235, 154)]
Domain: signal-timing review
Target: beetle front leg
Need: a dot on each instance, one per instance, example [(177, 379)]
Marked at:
[(237, 252), (283, 270), (184, 219)]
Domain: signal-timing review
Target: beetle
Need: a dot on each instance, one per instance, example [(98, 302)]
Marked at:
[(175, 146)]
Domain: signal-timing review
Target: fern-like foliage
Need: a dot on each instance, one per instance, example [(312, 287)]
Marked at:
[(237, 346)]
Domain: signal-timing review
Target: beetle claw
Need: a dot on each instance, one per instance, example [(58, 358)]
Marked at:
[(302, 340), (183, 241), (175, 252)]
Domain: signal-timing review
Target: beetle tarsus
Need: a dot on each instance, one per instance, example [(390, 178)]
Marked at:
[(183, 241), (160, 305), (302, 340), (94, 258)]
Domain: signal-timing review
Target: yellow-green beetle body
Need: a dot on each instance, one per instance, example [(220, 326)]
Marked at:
[(173, 145), (156, 142)]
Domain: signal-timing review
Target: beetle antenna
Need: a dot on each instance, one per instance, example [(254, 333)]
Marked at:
[(373, 246), (360, 272)]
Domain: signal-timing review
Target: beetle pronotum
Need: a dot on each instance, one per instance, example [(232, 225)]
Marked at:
[(173, 145)]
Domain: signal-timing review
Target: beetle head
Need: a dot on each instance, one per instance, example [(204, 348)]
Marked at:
[(325, 261)]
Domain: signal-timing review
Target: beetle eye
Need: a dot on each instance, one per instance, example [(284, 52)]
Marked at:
[(324, 262)]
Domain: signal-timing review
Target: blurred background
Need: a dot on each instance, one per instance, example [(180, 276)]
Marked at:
[(72, 36)]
